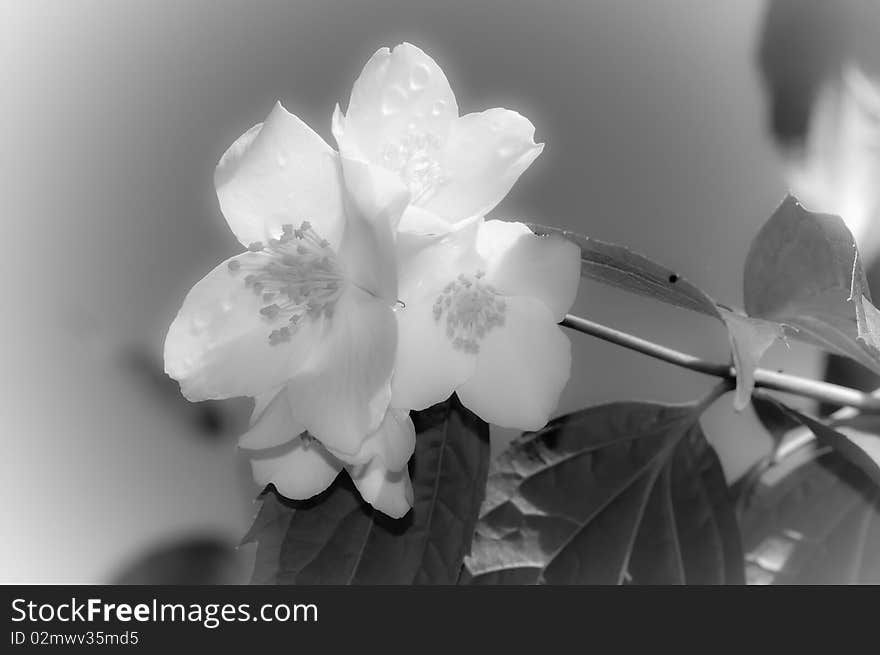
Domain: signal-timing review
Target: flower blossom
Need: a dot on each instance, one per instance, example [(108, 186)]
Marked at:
[(393, 228), (403, 118), (308, 307), (481, 308)]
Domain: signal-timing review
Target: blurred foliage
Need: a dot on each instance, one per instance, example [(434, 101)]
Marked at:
[(197, 560), (805, 45), (213, 419), (812, 518)]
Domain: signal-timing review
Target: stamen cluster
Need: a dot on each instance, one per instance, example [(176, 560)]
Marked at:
[(472, 309), (301, 279)]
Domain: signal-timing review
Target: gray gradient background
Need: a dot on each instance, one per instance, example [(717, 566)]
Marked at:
[(116, 113)]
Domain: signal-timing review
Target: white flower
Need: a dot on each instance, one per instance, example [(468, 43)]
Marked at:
[(300, 466), (480, 319), (403, 116), (309, 306), (304, 320)]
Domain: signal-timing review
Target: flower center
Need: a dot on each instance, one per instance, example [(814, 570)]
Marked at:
[(472, 308), (414, 159), (301, 279)]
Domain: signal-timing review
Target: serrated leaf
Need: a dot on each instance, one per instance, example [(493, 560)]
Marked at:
[(815, 520), (803, 271), (620, 267), (614, 493), (859, 448), (336, 538)]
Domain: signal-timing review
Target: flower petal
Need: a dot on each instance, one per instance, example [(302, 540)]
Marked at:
[(298, 470), (262, 402), (522, 368), (367, 251), (275, 426), (387, 491), (393, 443), (218, 345), (428, 367), (374, 191), (418, 230), (428, 263), (484, 155), (276, 173), (521, 263), (418, 221), (398, 92), (343, 395)]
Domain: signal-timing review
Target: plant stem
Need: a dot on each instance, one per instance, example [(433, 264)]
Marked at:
[(815, 389)]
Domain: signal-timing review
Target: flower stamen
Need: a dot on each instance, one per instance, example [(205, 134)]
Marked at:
[(301, 278), (472, 309), (414, 159)]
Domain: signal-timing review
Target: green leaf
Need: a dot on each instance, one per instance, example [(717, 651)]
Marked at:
[(803, 271), (812, 518), (859, 448), (624, 492), (336, 538), (620, 267)]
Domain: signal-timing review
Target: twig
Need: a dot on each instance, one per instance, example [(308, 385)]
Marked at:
[(823, 391)]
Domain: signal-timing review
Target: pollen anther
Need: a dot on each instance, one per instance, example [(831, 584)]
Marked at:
[(472, 309), (299, 278), (415, 159)]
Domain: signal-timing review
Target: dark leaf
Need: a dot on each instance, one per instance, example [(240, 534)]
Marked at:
[(620, 267), (775, 420), (803, 271), (624, 269), (625, 492), (812, 518), (859, 448), (336, 538)]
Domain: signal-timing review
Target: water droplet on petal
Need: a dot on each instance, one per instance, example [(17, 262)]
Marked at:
[(419, 77), (438, 107), (393, 100)]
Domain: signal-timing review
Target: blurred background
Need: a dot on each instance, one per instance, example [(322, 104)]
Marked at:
[(662, 133)]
